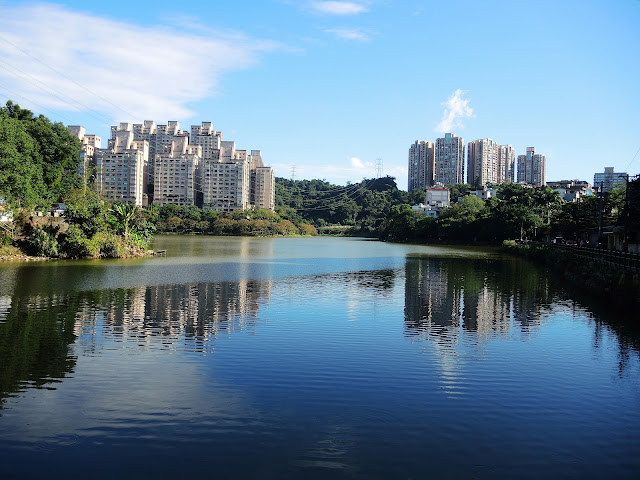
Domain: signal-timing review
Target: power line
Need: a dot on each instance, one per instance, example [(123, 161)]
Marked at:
[(59, 95), (634, 157), (130, 115), (14, 94)]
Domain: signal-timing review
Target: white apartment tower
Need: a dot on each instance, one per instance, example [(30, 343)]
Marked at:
[(120, 168), (421, 164), (177, 176), (532, 167), (449, 160)]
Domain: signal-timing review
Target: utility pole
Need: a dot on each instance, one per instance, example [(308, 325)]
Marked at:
[(601, 195)]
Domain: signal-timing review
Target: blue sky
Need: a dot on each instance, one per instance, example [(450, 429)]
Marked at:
[(330, 87)]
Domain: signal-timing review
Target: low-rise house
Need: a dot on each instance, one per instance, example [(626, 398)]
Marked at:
[(484, 194), (437, 198), (571, 190)]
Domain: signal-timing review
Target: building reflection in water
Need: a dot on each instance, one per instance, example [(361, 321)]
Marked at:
[(447, 296), (193, 312)]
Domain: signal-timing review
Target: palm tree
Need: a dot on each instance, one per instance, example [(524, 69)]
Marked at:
[(125, 212)]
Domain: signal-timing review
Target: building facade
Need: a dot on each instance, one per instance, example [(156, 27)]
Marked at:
[(506, 164), (532, 168), (263, 182), (482, 162), (120, 168), (189, 168), (177, 174), (609, 179), (421, 164), (87, 164), (449, 160)]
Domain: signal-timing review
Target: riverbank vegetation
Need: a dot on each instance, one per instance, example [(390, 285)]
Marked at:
[(376, 208), (38, 162), (254, 222)]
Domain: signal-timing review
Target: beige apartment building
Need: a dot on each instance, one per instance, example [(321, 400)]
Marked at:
[(231, 179), (489, 163), (120, 168), (177, 174), (449, 160), (87, 152), (263, 183), (482, 162), (186, 168), (532, 168), (506, 164), (421, 164)]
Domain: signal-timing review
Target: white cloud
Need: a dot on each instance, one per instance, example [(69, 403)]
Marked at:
[(349, 34), (339, 8), (356, 162), (111, 66), (456, 109)]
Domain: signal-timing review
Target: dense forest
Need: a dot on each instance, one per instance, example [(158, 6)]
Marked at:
[(38, 158)]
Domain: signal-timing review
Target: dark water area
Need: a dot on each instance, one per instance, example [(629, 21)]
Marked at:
[(312, 358)]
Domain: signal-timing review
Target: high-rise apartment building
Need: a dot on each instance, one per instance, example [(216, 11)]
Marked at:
[(231, 179), (482, 162), (225, 184), (177, 174), (87, 152), (532, 167), (189, 168), (506, 164), (263, 181), (421, 164), (205, 136), (159, 137), (120, 168), (609, 179), (449, 160)]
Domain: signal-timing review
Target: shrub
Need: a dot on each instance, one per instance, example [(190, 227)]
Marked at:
[(41, 243), (75, 243)]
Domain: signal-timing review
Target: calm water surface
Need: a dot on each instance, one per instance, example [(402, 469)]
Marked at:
[(311, 358)]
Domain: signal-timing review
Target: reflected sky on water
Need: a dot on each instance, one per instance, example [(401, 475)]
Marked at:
[(318, 357)]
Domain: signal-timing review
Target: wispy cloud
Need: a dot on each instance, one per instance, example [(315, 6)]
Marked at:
[(112, 66), (349, 34), (339, 8), (456, 109)]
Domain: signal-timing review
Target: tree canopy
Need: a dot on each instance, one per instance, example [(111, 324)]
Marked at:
[(38, 158)]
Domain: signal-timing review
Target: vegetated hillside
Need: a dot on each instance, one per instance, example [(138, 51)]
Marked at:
[(38, 158), (362, 207), (376, 208)]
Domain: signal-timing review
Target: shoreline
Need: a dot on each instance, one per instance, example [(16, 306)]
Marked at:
[(610, 284)]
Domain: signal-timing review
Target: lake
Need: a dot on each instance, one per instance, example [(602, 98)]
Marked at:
[(312, 358)]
